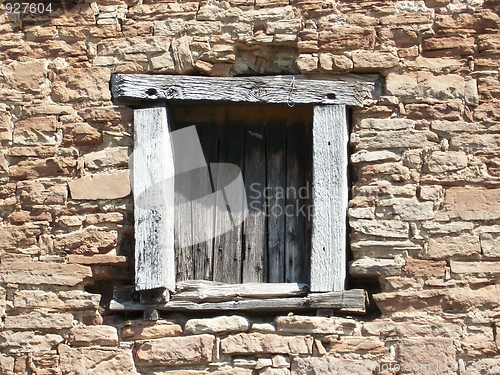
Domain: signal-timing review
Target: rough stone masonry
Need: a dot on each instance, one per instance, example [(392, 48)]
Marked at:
[(424, 213)]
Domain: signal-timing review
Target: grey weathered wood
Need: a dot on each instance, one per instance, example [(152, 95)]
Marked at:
[(350, 301), (294, 215), (276, 179), (328, 258), (197, 291), (227, 246), (153, 186), (347, 90), (254, 265)]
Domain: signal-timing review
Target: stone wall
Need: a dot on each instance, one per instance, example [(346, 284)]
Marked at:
[(424, 213)]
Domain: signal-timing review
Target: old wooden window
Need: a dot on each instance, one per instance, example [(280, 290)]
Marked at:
[(282, 132)]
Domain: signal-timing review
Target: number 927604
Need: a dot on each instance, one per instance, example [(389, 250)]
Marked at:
[(27, 8)]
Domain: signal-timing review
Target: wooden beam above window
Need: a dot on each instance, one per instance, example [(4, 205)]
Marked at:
[(345, 90)]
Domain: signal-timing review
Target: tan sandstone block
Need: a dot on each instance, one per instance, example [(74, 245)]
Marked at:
[(175, 351), (101, 186), (145, 330), (75, 85), (42, 273), (314, 324), (96, 361), (220, 324), (448, 246), (39, 320), (246, 343), (93, 335), (472, 203), (450, 161), (428, 352), (373, 61), (26, 76)]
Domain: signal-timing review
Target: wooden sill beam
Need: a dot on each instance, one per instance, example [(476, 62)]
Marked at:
[(349, 301), (348, 90)]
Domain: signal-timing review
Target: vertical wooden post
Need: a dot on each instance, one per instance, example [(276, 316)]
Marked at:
[(153, 187), (330, 194)]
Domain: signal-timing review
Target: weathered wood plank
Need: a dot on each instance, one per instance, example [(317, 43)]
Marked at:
[(346, 90), (227, 246), (328, 257), (353, 301), (276, 184), (203, 207), (153, 183), (294, 213), (254, 265), (210, 292), (308, 202)]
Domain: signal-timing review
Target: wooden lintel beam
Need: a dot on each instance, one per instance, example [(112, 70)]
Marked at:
[(341, 90)]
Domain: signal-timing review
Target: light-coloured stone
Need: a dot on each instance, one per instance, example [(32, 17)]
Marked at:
[(91, 84), (220, 324), (490, 244), (425, 85), (376, 267), (314, 324), (450, 161), (471, 93), (39, 320), (472, 203), (189, 350), (367, 61), (145, 330), (475, 267), (365, 156), (42, 273), (26, 76), (82, 335), (307, 63), (101, 186), (335, 63), (110, 157), (25, 341), (448, 246), (427, 354), (407, 209), (96, 361), (332, 365), (263, 363), (381, 228), (281, 361), (263, 327), (253, 343), (87, 241)]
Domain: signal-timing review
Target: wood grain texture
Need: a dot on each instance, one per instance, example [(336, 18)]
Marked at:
[(345, 90), (153, 186), (328, 256), (254, 266), (276, 180), (350, 301), (228, 246), (294, 213)]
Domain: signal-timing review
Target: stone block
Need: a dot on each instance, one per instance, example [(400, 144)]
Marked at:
[(472, 203), (42, 273), (373, 61), (100, 186), (335, 63), (449, 246), (450, 161), (425, 85), (332, 365), (42, 192), (26, 76), (448, 46), (28, 341), (39, 320), (82, 335), (427, 354), (110, 157), (424, 268), (99, 259), (255, 343), (307, 63), (146, 330), (366, 267), (75, 85), (86, 241), (42, 168), (406, 209), (95, 361), (219, 325), (475, 267), (490, 244), (357, 345), (189, 350), (314, 325)]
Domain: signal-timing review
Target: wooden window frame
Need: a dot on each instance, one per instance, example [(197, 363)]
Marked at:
[(154, 244)]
